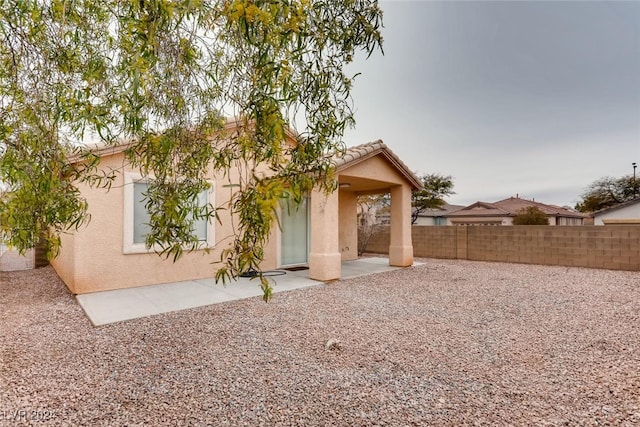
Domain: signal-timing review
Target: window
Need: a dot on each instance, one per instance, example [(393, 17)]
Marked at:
[(136, 217), (140, 215)]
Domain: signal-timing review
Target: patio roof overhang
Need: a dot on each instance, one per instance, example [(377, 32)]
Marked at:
[(373, 168)]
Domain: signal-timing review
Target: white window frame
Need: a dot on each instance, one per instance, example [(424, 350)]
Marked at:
[(128, 245)]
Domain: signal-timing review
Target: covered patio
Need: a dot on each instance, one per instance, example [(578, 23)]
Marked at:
[(363, 170)]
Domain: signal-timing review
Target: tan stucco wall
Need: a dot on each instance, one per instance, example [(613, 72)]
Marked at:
[(64, 263), (378, 175), (93, 260), (375, 169), (348, 225), (324, 251), (400, 246)]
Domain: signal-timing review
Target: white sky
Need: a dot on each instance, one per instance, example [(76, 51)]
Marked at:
[(535, 98)]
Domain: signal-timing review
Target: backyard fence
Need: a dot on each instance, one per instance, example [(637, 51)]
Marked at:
[(615, 247)]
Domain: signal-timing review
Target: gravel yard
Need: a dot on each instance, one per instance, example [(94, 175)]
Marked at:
[(446, 343)]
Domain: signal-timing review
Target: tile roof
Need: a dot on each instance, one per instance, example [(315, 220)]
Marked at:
[(444, 210), (356, 154), (514, 204), (351, 156), (510, 207), (104, 149), (479, 209)]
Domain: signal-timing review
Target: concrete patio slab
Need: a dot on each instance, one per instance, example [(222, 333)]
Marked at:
[(119, 305)]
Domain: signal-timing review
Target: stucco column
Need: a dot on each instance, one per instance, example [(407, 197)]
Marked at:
[(401, 247), (324, 255), (348, 210)]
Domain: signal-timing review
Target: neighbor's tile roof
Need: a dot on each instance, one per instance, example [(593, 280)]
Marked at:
[(479, 209), (514, 204), (362, 152), (510, 207), (444, 210)]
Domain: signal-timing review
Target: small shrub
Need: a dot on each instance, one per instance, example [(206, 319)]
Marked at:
[(530, 216)]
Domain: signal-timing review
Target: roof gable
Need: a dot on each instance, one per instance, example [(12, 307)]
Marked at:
[(480, 209), (360, 153)]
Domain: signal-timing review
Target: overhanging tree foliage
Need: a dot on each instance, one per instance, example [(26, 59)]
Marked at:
[(608, 191), (435, 188), (163, 74)]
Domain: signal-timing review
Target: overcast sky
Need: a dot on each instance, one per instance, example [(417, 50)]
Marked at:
[(535, 98)]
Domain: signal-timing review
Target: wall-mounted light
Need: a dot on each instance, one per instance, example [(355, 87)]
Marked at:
[(345, 185)]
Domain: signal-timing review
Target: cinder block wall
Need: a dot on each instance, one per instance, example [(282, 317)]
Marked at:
[(610, 247), (379, 243)]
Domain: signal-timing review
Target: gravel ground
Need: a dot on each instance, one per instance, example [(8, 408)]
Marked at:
[(446, 343)]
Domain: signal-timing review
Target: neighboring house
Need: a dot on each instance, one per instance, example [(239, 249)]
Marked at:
[(503, 211), (110, 253), (11, 260), (626, 213), (437, 216)]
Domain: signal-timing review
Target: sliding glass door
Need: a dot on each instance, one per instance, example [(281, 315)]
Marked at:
[(294, 242)]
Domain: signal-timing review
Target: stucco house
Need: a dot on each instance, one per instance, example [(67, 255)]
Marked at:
[(503, 211), (437, 216), (627, 213), (110, 253)]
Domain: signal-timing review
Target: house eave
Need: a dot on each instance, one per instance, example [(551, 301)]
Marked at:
[(373, 149), (616, 207)]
